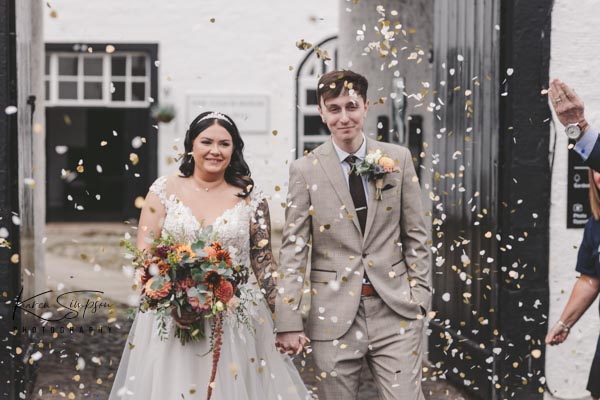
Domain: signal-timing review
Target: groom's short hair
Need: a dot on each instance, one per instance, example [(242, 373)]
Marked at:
[(335, 83)]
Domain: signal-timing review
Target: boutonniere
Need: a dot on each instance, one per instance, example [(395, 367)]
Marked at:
[(376, 166)]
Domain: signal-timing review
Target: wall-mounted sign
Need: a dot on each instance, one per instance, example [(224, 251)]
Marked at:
[(249, 112), (578, 203)]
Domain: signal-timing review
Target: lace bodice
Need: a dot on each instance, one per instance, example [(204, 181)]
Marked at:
[(231, 227)]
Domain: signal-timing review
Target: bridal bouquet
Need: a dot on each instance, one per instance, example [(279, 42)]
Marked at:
[(196, 280), (191, 279)]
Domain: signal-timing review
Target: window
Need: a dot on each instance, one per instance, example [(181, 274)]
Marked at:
[(88, 79), (310, 130)]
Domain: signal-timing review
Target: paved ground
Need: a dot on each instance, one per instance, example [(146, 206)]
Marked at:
[(82, 365)]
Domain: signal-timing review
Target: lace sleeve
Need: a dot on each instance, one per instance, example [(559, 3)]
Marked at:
[(261, 254), (159, 188)]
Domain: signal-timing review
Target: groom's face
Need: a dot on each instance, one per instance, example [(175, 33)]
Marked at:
[(344, 116)]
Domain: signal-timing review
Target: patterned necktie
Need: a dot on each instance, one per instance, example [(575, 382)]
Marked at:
[(357, 191)]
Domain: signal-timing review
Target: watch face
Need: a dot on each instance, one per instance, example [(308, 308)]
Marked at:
[(573, 131)]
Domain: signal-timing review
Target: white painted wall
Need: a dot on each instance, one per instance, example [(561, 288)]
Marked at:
[(575, 42), (247, 50)]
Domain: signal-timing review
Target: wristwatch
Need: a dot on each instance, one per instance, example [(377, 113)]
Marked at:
[(574, 131)]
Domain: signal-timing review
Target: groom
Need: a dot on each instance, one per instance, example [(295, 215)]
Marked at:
[(369, 284)]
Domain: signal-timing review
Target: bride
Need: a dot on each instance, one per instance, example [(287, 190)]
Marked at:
[(213, 188)]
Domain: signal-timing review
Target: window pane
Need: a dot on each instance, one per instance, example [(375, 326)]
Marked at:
[(118, 66), (67, 90), (92, 90), (92, 66), (118, 91), (311, 97), (47, 89), (314, 126), (67, 66), (138, 66), (47, 65), (138, 91)]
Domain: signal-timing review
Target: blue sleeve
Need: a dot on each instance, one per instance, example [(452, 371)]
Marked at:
[(587, 258), (588, 148), (585, 145)]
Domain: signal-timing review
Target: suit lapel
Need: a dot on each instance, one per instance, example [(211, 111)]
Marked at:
[(371, 146), (330, 163)]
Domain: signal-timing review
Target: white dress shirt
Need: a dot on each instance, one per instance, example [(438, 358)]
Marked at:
[(361, 153)]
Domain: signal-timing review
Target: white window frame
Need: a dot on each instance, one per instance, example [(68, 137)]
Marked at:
[(106, 78), (307, 81)]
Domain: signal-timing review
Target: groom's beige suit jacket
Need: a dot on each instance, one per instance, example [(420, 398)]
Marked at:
[(320, 216)]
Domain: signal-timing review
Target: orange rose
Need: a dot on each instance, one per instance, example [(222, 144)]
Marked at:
[(210, 251), (215, 252), (160, 293), (387, 163)]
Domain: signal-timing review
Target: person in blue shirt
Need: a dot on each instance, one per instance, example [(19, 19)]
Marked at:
[(587, 286), (570, 112)]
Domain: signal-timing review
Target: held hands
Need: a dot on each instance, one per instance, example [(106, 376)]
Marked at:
[(291, 342), (557, 334), (567, 105)]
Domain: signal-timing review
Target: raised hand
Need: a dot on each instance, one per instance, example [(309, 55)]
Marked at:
[(568, 106)]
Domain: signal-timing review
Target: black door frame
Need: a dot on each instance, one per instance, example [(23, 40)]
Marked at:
[(151, 49)]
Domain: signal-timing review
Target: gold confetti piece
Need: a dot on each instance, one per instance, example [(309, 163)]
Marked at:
[(536, 353), (71, 396), (110, 49), (290, 68), (302, 45), (262, 243), (80, 169), (99, 381), (18, 350), (134, 158), (77, 378), (103, 143), (53, 14), (212, 20), (14, 258), (139, 202), (274, 133)]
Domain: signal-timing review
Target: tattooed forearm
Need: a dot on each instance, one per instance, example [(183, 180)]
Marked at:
[(261, 254)]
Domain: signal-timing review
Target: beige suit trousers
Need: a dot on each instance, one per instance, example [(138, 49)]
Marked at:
[(392, 346)]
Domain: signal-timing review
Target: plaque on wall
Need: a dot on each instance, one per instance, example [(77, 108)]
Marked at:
[(578, 203), (249, 112)]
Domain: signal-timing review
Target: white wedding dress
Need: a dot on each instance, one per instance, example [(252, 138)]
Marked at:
[(250, 367)]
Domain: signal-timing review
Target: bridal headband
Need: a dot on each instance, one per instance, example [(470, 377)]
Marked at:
[(216, 115)]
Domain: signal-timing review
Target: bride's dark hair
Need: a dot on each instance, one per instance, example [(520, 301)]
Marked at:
[(237, 172)]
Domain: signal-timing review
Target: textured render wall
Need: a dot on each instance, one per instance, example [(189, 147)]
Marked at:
[(247, 50), (575, 44)]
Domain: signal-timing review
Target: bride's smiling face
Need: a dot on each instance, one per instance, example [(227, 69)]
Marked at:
[(212, 150)]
